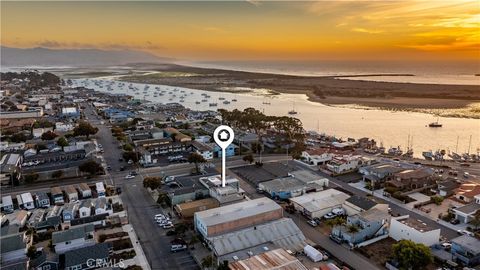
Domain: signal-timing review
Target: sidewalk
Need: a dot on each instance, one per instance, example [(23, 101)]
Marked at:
[(140, 258)]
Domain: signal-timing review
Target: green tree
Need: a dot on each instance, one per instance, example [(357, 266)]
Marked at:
[(49, 135), (91, 167), (62, 142), (476, 220), (207, 261), (196, 158), (256, 147), (18, 137), (223, 266), (180, 228), (162, 198), (30, 178), (248, 158), (128, 147), (152, 182), (411, 255), (437, 199), (84, 129), (31, 251), (57, 174)]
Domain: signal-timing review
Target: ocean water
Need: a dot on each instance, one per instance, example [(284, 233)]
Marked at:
[(436, 72), (392, 129)]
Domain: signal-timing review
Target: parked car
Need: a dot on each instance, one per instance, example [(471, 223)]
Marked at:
[(129, 176), (312, 223), (175, 248), (465, 232), (168, 226), (446, 246), (329, 215), (169, 179), (133, 173), (455, 221)]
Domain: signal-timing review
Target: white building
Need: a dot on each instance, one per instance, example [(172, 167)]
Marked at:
[(85, 208), (100, 189), (317, 156), (27, 201), (405, 227), (85, 190), (7, 204), (229, 193), (203, 149), (64, 127), (317, 204), (345, 164)]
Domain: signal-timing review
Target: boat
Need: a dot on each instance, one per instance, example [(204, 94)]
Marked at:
[(204, 100), (435, 124), (197, 102), (293, 110), (428, 155), (226, 102), (221, 98), (234, 100), (395, 151), (212, 104)]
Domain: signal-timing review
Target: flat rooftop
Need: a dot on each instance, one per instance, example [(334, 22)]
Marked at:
[(237, 211), (417, 224), (275, 259)]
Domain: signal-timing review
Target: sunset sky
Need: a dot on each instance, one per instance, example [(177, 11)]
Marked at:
[(232, 30)]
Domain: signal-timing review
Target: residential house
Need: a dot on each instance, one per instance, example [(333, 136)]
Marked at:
[(408, 228), (10, 169), (70, 113), (467, 192), (85, 208), (63, 127), (13, 248), (20, 218), (413, 179), (100, 189), (91, 257), (347, 163), (368, 225), (448, 187), (71, 193), (151, 148), (7, 204), (202, 149), (102, 207), (73, 238), (69, 211), (26, 201), (357, 204), (379, 173), (57, 195), (44, 261), (466, 249), (318, 156), (85, 191), (217, 151), (42, 200), (466, 213), (317, 204)]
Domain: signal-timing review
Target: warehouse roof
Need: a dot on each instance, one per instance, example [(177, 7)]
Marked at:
[(275, 259), (237, 211), (317, 201), (282, 233)]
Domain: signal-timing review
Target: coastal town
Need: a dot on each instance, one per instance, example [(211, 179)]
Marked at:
[(92, 179)]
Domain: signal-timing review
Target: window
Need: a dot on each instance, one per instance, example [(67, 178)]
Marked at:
[(46, 267), (68, 242)]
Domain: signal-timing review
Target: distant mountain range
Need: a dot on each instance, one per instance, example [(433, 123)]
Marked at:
[(18, 57)]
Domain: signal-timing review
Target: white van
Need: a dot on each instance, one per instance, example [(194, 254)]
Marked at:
[(338, 211)]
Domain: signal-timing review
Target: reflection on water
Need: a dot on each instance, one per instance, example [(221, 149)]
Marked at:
[(389, 128)]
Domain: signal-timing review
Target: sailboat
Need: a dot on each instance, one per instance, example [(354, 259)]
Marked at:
[(293, 110)]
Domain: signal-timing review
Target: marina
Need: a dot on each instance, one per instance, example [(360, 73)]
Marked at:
[(388, 128)]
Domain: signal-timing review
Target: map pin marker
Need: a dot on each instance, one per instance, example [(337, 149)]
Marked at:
[(223, 136)]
